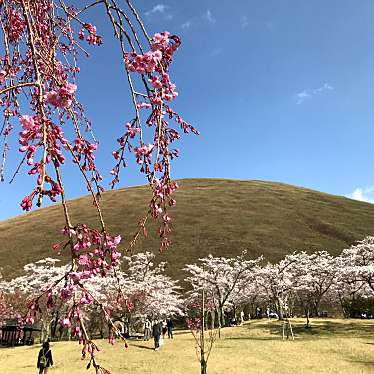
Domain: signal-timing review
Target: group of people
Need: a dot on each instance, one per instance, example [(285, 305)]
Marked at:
[(235, 322), (158, 330)]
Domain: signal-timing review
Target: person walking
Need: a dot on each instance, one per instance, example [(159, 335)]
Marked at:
[(156, 332), (169, 324), (147, 329), (44, 359), (164, 328)]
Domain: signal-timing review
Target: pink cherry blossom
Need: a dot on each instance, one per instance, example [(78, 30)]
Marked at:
[(3, 75), (27, 122)]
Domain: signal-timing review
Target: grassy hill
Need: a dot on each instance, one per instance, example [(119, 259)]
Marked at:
[(216, 216)]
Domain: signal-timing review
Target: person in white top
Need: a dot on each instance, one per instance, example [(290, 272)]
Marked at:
[(147, 329), (164, 328)]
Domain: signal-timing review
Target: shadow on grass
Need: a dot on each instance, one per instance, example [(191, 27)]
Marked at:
[(319, 329), (363, 362), (143, 347), (181, 332), (263, 338), (329, 328)]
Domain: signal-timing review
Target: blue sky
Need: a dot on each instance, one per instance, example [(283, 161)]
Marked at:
[(280, 90)]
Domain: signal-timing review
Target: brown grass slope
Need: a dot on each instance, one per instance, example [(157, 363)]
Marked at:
[(216, 216)]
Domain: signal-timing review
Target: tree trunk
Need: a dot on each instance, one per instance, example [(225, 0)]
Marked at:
[(280, 313), (307, 317), (219, 322), (212, 319), (45, 330), (202, 337), (223, 322), (54, 326), (253, 308), (203, 366), (316, 307)]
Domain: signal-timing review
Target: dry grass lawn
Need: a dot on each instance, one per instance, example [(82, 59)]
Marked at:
[(330, 346)]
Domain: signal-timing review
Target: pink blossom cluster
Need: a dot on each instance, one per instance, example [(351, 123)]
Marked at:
[(3, 75), (15, 25), (142, 64), (162, 190), (164, 89), (155, 157), (186, 127), (30, 133), (68, 291), (33, 310), (143, 105), (90, 348), (97, 252), (194, 323), (155, 61), (143, 153), (26, 202), (167, 44), (40, 133), (84, 151), (63, 97), (161, 194), (92, 37), (160, 41), (30, 140), (72, 319), (130, 133)]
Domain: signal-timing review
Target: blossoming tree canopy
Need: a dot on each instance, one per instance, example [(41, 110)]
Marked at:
[(144, 290), (221, 277), (358, 261), (43, 42)]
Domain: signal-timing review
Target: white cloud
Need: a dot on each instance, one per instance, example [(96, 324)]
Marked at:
[(209, 17), (186, 25), (363, 194), (325, 87), (309, 93), (159, 8), (301, 96), (244, 22)]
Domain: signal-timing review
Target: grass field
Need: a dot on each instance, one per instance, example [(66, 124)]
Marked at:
[(216, 216), (330, 346)]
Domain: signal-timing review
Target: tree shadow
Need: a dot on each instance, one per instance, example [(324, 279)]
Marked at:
[(328, 328), (254, 337), (319, 329), (363, 362)]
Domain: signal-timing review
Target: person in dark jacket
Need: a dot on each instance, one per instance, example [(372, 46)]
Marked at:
[(170, 326), (44, 359), (156, 332)]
